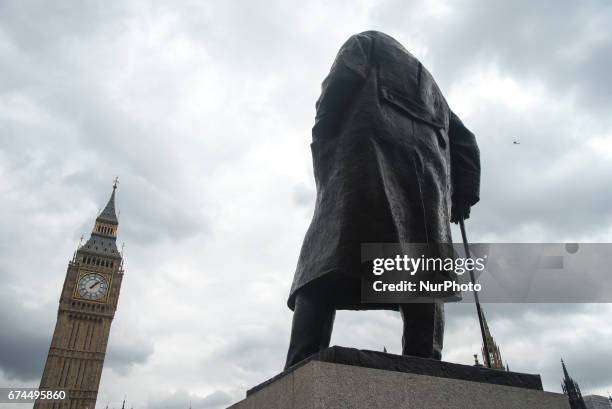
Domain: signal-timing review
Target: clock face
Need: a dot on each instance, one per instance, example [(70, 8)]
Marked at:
[(93, 286)]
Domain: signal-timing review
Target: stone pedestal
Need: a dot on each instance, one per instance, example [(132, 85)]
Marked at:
[(348, 378)]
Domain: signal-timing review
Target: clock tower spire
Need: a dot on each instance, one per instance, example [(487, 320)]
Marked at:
[(87, 306)]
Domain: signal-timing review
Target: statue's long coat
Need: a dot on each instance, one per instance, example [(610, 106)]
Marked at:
[(389, 158)]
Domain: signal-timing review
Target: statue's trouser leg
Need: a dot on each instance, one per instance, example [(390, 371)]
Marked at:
[(311, 329), (423, 333)]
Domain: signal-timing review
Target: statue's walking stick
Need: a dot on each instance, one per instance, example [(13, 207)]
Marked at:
[(487, 357)]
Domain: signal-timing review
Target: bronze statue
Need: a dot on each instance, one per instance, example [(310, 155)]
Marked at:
[(392, 163)]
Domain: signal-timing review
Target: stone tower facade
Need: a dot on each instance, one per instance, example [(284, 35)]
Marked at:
[(87, 305), (572, 390), (495, 358)]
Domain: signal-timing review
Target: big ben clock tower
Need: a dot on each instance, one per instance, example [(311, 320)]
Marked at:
[(86, 309)]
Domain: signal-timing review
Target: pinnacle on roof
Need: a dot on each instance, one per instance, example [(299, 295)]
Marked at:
[(109, 215)]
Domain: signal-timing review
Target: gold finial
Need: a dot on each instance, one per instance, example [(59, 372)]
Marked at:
[(115, 182)]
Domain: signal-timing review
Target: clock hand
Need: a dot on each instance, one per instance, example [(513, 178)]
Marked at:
[(93, 285)]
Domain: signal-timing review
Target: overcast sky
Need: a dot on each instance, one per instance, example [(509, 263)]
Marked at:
[(204, 111)]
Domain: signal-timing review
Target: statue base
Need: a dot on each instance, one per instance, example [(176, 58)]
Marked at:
[(349, 378)]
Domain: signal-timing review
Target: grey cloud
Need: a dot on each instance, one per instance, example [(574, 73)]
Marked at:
[(123, 354), (181, 399), (561, 43), (255, 348), (23, 349), (544, 181), (303, 195), (167, 211), (75, 130)]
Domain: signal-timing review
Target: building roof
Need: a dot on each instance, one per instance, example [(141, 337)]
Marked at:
[(109, 215), (103, 244)]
